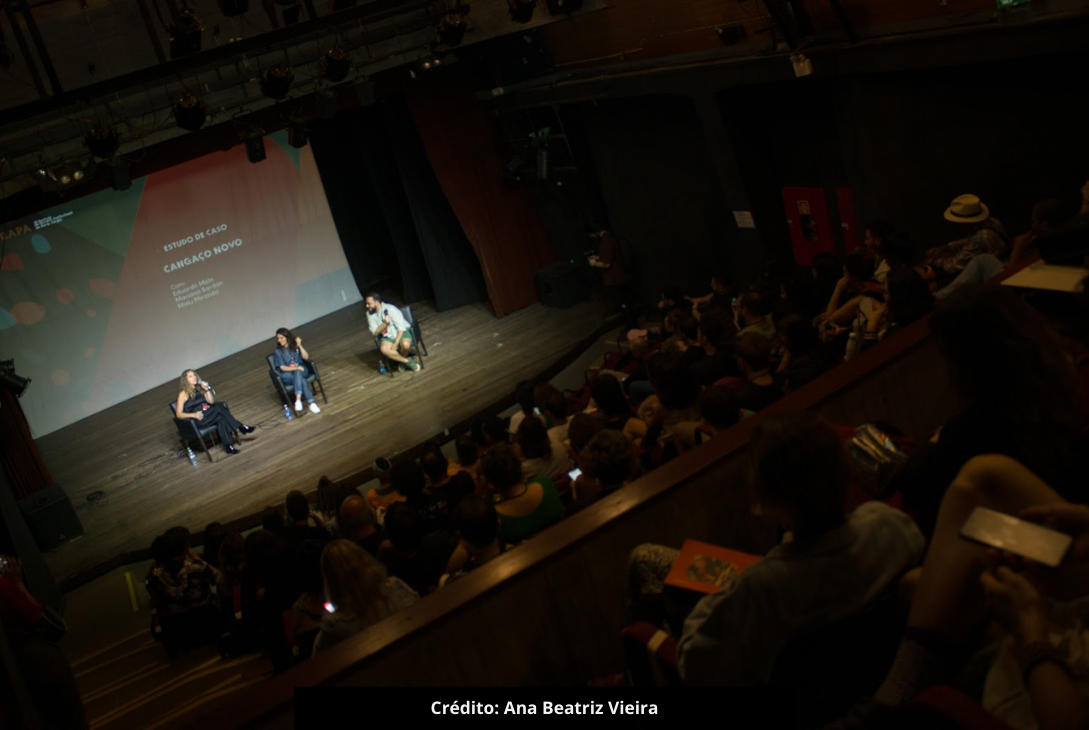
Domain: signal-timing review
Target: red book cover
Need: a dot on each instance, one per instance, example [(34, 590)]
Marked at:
[(707, 568)]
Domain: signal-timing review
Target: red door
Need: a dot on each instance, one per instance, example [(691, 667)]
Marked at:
[(810, 229), (852, 237)]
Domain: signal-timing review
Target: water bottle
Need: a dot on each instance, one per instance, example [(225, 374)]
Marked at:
[(192, 456), (382, 367), (853, 344), (287, 412)]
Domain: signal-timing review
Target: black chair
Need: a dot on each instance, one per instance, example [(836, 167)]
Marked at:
[(418, 349), (286, 390), (190, 429)]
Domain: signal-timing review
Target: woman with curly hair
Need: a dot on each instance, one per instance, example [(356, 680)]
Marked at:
[(196, 401)]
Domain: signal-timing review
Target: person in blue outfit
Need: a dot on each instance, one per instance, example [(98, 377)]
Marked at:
[(289, 359)]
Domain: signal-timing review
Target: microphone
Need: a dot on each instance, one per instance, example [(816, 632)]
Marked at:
[(207, 388)]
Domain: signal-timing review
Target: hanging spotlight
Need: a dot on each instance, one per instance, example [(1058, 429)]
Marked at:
[(11, 381), (185, 34), (334, 64), (190, 113), (297, 135), (521, 11), (276, 81), (255, 144), (102, 141)]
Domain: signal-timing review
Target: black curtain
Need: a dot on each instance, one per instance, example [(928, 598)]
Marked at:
[(451, 262), (391, 215), (661, 193)]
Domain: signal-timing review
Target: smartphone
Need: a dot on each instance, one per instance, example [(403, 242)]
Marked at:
[(1006, 532), (574, 474), (330, 607)]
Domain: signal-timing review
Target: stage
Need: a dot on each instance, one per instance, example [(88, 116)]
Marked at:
[(132, 453)]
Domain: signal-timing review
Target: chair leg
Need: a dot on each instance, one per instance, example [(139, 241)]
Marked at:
[(322, 389), (207, 451)]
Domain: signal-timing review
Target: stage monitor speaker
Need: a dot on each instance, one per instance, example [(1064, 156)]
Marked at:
[(563, 285), (51, 518)]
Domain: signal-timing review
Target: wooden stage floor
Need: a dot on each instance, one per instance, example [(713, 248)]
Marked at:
[(132, 453)]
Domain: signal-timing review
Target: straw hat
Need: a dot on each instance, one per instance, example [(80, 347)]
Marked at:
[(967, 209)]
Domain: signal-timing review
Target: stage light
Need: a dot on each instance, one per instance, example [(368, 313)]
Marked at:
[(185, 34), (190, 113), (276, 81), (118, 173), (334, 64), (563, 7), (102, 141), (255, 144), (10, 381), (521, 11), (65, 179), (77, 175), (451, 29), (297, 135)]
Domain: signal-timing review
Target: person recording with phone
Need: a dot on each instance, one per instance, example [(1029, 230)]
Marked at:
[(196, 400), (392, 331)]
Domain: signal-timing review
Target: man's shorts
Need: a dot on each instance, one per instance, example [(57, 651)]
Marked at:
[(406, 337)]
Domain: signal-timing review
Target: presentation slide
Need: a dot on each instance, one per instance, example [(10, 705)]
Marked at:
[(112, 294)]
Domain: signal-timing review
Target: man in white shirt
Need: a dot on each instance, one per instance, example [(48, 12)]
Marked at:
[(393, 333)]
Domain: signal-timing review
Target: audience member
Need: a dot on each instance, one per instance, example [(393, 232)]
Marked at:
[(580, 430), (613, 410), (804, 356), (358, 523), (716, 332), (526, 406), (443, 491), (359, 592), (178, 580), (272, 520), (1019, 396), (753, 314), (468, 455), (555, 407), (543, 454), (607, 463), (755, 388), (800, 472), (300, 528), (410, 553), (385, 494), (876, 235), (213, 538), (720, 296), (525, 508), (907, 300), (983, 234), (478, 534)]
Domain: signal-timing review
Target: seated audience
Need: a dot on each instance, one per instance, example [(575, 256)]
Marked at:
[(719, 297), (580, 430), (526, 406), (443, 490), (478, 535), (981, 234), (300, 529), (358, 523), (876, 236), (468, 456), (542, 453), (753, 314), (272, 520), (800, 473), (716, 333), (907, 300), (309, 608), (411, 553), (1033, 676), (213, 538), (360, 593), (755, 388), (856, 287), (555, 408), (178, 580), (1018, 393), (613, 409), (525, 507), (607, 463), (385, 494), (804, 357)]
